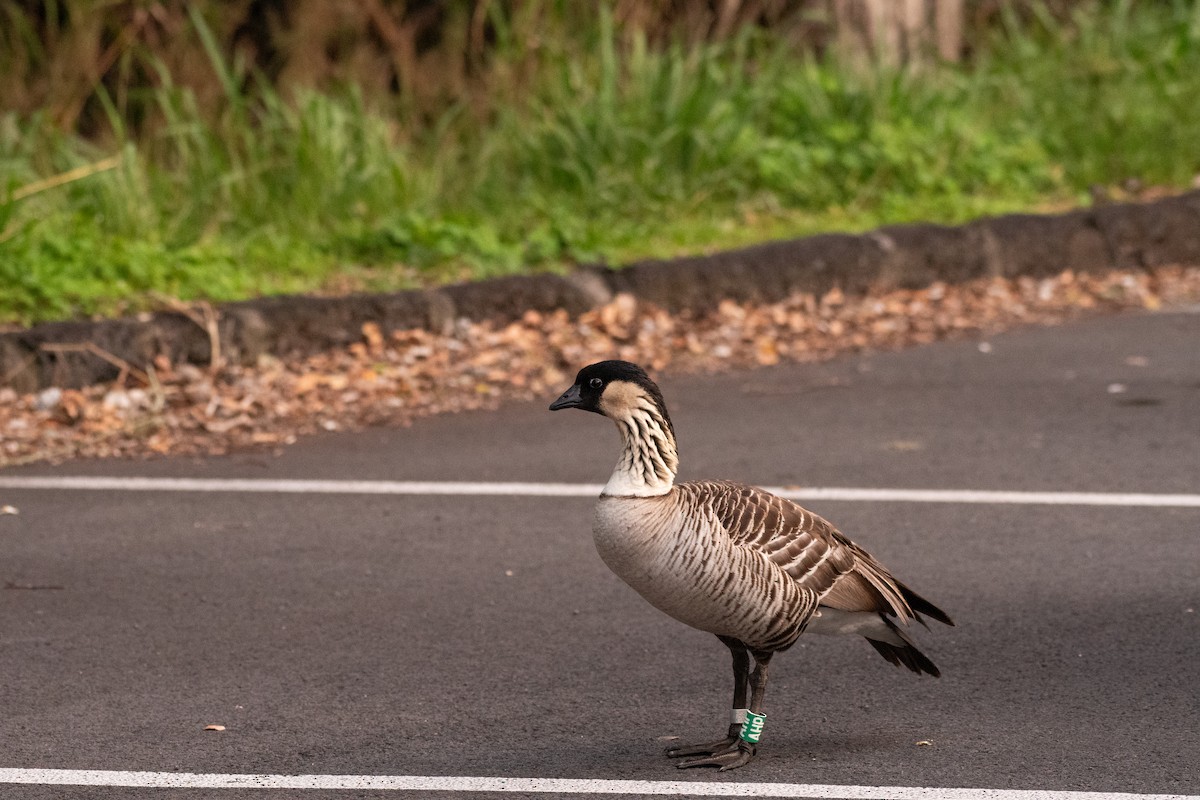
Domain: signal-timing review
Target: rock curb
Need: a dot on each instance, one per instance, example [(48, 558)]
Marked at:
[(1118, 236)]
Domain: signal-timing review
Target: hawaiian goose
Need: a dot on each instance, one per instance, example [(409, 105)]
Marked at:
[(753, 568)]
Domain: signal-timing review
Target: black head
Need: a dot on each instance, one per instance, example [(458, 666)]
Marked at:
[(604, 387)]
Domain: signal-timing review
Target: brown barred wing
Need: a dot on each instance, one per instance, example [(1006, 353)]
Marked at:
[(797, 541), (808, 548)]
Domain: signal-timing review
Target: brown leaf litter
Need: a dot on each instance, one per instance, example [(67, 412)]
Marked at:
[(394, 377)]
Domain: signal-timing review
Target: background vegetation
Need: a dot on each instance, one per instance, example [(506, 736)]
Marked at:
[(222, 150)]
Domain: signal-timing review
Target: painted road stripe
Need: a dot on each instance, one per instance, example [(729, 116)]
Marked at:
[(421, 783), (509, 489)]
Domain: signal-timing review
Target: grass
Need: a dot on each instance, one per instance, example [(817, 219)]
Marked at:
[(612, 150)]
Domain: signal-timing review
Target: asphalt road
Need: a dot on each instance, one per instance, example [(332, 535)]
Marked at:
[(482, 636)]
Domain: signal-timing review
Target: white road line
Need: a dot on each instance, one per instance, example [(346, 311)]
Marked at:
[(511, 489), (285, 486), (422, 783)]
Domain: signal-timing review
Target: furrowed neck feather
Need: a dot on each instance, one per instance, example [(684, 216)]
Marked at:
[(649, 459)]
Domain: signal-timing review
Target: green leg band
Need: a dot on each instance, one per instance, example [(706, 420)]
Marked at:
[(752, 730)]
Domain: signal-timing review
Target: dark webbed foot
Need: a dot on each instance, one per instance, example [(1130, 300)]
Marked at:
[(738, 755), (725, 745)]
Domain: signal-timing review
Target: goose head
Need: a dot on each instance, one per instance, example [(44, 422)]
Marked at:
[(615, 389), (624, 393)]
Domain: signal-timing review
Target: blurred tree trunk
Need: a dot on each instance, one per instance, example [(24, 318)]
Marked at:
[(899, 32)]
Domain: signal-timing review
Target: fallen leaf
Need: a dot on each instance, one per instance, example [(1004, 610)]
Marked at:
[(214, 727), (766, 352), (10, 510), (226, 425), (306, 383), (373, 336)]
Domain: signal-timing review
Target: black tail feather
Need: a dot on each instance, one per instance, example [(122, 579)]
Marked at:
[(905, 654), (922, 606)]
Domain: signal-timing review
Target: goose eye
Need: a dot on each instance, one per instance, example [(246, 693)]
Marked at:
[(595, 383)]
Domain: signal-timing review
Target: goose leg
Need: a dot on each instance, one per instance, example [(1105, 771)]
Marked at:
[(740, 754), (741, 674)]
